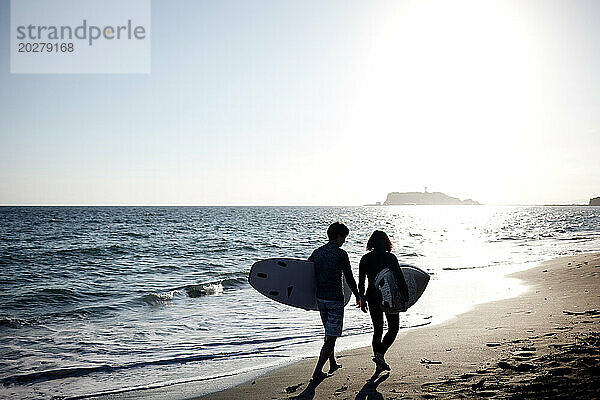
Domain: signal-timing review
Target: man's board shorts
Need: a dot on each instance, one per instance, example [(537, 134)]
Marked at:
[(332, 315)]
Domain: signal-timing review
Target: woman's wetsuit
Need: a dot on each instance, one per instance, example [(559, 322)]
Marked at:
[(370, 265)]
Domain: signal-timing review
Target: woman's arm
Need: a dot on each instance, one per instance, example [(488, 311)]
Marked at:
[(362, 273)]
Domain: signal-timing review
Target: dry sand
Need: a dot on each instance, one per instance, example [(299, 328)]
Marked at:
[(542, 344)]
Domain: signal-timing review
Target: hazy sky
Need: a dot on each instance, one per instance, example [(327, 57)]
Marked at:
[(319, 102)]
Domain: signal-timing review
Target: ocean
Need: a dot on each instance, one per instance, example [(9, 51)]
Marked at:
[(104, 299)]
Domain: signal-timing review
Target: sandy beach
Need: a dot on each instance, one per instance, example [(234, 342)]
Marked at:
[(542, 344), (179, 182)]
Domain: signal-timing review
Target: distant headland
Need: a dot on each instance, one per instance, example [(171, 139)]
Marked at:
[(424, 198)]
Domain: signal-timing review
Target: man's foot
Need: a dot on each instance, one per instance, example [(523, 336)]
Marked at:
[(334, 367), (380, 362), (319, 376)]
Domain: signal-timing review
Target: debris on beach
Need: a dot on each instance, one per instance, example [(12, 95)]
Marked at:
[(588, 312), (569, 370), (429, 362)]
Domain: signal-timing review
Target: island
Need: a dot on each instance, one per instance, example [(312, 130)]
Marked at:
[(595, 201), (426, 198)]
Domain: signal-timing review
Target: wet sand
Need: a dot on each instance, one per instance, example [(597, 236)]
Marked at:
[(544, 343)]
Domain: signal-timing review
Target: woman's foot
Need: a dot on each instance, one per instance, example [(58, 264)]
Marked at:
[(380, 362), (334, 367), (378, 371)]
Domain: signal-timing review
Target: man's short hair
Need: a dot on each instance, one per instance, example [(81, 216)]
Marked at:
[(337, 229)]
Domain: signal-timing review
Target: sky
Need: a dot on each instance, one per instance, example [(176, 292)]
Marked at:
[(318, 103)]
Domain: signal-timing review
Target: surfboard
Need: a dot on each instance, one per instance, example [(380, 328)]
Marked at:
[(289, 281), (390, 299)]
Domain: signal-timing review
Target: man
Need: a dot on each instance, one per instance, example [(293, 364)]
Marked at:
[(330, 262)]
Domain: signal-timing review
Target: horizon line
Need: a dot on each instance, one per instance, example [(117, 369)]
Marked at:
[(283, 205)]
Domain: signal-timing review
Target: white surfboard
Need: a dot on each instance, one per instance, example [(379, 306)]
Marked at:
[(289, 281), (389, 290)]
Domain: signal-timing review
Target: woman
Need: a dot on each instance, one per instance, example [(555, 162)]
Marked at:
[(379, 256)]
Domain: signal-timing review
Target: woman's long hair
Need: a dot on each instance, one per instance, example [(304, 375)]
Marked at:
[(379, 240)]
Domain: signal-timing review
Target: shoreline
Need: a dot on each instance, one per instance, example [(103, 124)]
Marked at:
[(433, 308), (454, 350), (451, 358)]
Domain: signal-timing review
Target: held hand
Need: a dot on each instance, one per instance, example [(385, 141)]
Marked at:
[(362, 304)]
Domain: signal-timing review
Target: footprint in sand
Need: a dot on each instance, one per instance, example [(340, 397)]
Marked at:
[(341, 390), (523, 355), (560, 371), (527, 348), (293, 388), (523, 367), (486, 393)]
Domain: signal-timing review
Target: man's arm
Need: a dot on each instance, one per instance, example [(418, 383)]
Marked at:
[(348, 274)]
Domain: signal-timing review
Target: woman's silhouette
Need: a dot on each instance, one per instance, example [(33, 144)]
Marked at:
[(379, 256)]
